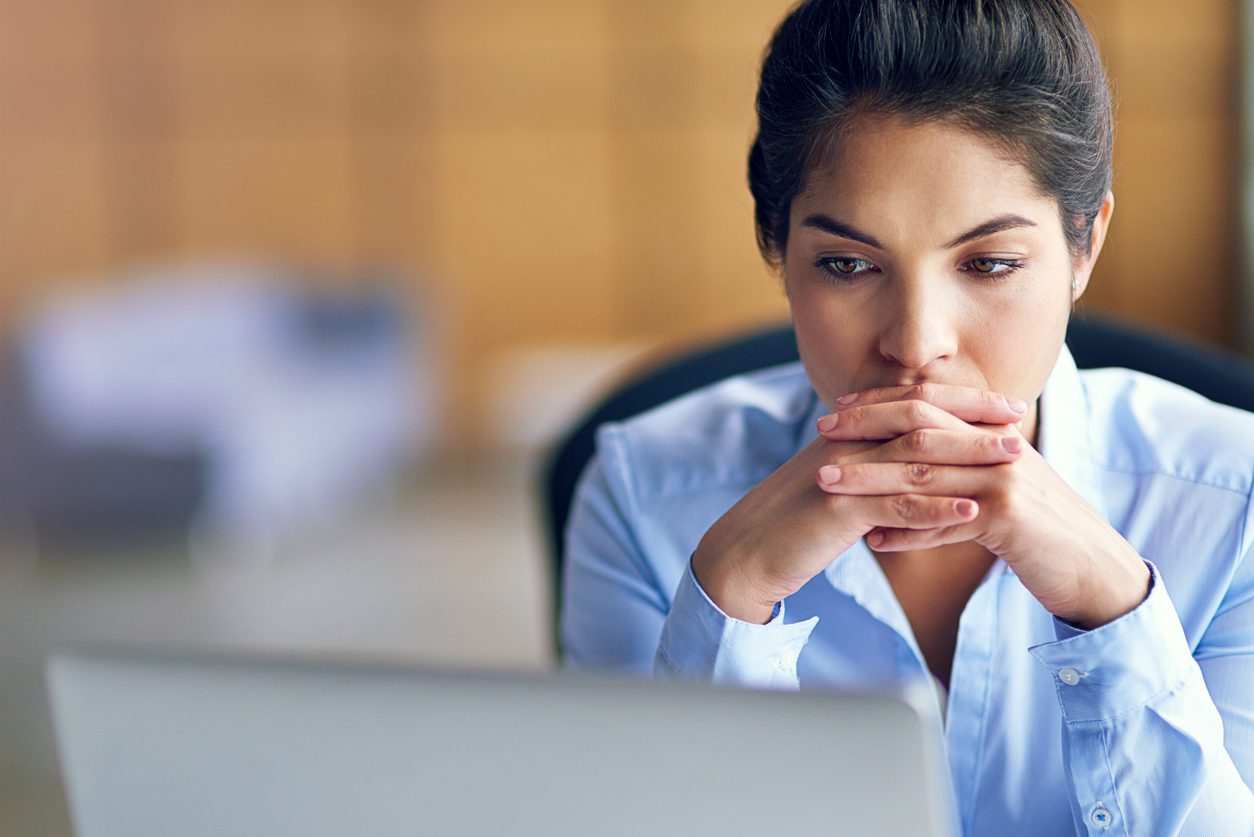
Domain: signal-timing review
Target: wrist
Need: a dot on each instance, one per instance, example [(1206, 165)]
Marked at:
[(1120, 594), (729, 587)]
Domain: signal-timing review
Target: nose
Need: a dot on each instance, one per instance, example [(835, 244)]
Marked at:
[(920, 327)]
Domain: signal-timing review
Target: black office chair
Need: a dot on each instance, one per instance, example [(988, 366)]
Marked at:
[(1093, 342)]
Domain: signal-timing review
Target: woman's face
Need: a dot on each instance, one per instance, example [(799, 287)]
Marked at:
[(922, 253)]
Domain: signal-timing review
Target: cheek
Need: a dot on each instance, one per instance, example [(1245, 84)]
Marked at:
[(820, 317), (833, 345), (1016, 344)]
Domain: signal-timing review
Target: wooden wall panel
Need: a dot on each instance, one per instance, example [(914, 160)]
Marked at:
[(49, 32), (50, 100), (493, 27), (526, 232), (658, 231), (253, 196), (1172, 256), (735, 286), (1175, 246), (275, 29), (1157, 23), (53, 219), (231, 98), (398, 192), (551, 171)]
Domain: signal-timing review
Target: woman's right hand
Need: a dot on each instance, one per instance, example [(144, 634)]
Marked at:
[(786, 530)]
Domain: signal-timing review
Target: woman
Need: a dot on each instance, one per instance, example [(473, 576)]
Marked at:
[(935, 490)]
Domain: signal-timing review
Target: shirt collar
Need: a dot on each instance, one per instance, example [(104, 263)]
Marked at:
[(1064, 431)]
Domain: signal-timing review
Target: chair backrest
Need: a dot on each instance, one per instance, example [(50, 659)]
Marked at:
[(1094, 343)]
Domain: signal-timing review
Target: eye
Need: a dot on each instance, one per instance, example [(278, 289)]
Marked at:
[(844, 268), (992, 267)]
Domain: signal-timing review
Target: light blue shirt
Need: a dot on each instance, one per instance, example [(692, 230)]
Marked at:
[(1142, 726)]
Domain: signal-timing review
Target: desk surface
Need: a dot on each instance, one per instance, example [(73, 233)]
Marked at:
[(449, 570)]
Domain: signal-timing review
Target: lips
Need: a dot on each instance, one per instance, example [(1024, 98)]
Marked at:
[(909, 382)]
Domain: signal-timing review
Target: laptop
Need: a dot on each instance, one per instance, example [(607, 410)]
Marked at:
[(161, 742)]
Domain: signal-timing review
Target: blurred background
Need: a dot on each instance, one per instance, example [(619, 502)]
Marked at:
[(295, 293)]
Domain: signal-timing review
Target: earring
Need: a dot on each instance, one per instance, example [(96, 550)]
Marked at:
[(1075, 285)]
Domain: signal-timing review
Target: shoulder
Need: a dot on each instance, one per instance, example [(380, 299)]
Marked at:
[(1145, 425), (731, 432)]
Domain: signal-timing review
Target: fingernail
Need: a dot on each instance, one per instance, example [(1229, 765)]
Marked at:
[(1016, 405), (1011, 444), (827, 423), (846, 400), (965, 508), (829, 474), (875, 539)]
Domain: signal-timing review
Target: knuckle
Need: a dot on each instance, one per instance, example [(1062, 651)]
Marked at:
[(919, 474), (918, 443), (917, 412), (906, 508)]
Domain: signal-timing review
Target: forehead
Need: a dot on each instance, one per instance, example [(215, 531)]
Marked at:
[(881, 168)]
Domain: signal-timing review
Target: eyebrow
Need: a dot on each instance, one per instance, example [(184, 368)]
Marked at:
[(830, 225), (999, 224)]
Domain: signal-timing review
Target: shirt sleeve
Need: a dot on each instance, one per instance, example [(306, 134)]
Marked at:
[(700, 642), (1154, 745), (612, 605), (616, 617)]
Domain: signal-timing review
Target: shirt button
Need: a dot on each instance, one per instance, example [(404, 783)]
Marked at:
[(1101, 817), (1069, 675)]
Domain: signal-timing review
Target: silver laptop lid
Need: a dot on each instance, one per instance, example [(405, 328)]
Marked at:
[(196, 744)]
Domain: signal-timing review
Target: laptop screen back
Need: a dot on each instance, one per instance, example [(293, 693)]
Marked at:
[(161, 743)]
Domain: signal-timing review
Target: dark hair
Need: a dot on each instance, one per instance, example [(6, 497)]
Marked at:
[(1023, 73)]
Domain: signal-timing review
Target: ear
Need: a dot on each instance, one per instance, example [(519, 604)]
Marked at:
[(1082, 266)]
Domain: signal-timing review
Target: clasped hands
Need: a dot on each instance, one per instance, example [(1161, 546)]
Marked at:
[(911, 468)]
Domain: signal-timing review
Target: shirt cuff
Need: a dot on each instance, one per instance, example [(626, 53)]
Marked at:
[(1121, 665), (701, 642)]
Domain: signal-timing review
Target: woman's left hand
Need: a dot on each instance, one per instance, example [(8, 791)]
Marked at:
[(1061, 549)]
